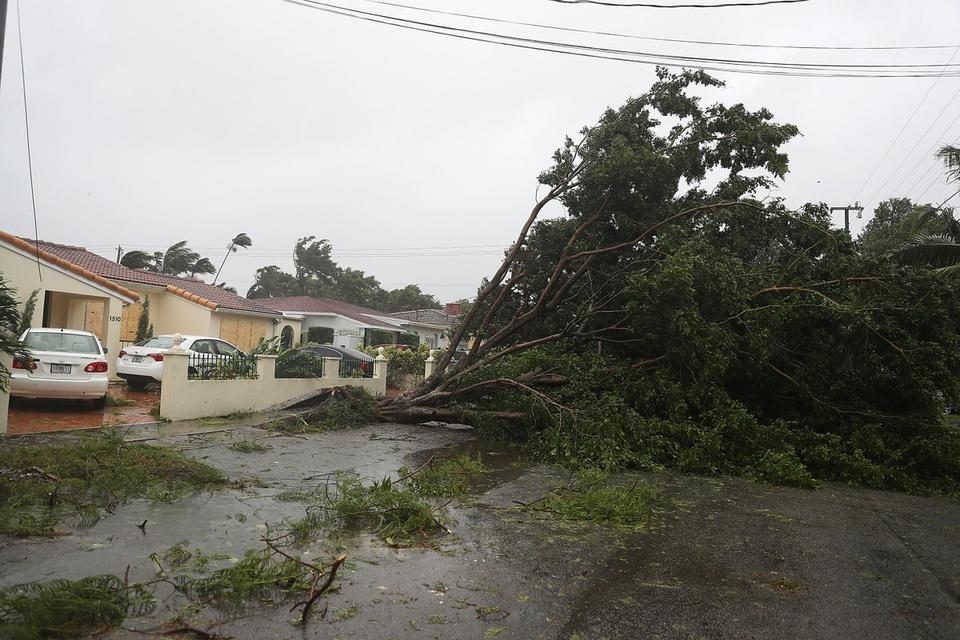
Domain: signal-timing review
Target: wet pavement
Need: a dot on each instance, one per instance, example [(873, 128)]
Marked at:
[(44, 416), (721, 558)]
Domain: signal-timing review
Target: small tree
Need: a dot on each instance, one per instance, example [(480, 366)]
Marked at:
[(144, 328), (26, 318), (9, 323)]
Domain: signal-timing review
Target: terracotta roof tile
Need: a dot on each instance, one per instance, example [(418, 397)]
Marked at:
[(69, 265), (189, 288), (310, 304)]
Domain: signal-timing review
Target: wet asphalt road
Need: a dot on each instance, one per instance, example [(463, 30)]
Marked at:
[(722, 558)]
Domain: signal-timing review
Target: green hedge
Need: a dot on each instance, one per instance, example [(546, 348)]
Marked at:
[(320, 335), (409, 339)]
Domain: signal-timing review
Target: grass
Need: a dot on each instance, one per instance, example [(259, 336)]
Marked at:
[(117, 401), (396, 513), (69, 609), (257, 575), (44, 486), (447, 479), (591, 499), (248, 446)]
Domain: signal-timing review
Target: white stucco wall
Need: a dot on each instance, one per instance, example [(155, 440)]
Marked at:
[(72, 290), (183, 399)]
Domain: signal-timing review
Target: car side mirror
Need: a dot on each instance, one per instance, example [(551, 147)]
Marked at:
[(106, 351)]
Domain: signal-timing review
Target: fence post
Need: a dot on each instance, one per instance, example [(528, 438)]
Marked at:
[(380, 364), (176, 361), (331, 368), (430, 365), (266, 367)]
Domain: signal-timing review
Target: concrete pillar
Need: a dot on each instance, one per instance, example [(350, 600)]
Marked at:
[(266, 367), (331, 368), (7, 362), (380, 365), (430, 365), (175, 364), (112, 318)]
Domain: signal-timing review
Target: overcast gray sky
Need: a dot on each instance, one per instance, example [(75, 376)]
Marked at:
[(154, 122)]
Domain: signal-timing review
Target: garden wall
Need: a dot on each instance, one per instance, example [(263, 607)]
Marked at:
[(184, 399)]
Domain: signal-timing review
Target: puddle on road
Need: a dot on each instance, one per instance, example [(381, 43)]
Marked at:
[(467, 585)]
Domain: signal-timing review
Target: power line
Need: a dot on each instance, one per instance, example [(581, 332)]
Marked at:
[(26, 124), (904, 127), (650, 5), (915, 145), (929, 155), (705, 63), (716, 43)]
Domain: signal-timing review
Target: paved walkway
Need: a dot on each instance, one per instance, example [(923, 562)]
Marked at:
[(44, 416)]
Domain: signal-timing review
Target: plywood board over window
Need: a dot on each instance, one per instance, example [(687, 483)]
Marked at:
[(243, 332), (93, 319), (129, 320)]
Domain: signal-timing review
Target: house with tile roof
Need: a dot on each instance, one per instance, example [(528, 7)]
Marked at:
[(353, 326), (179, 304), (69, 296)]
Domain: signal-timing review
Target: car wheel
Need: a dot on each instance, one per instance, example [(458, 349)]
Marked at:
[(99, 403)]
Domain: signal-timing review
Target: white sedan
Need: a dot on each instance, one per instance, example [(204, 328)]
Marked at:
[(64, 364), (142, 363)]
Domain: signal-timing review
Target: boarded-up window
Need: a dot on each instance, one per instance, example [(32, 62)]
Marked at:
[(129, 319), (93, 319), (243, 332)]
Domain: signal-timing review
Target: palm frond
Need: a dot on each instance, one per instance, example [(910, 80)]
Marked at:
[(931, 250), (951, 158)]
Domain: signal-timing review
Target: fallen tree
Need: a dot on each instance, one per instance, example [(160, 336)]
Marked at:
[(659, 322), (628, 179)]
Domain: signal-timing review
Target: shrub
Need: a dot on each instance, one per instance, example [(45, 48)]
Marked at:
[(401, 362), (320, 335), (298, 363), (379, 336), (409, 339)]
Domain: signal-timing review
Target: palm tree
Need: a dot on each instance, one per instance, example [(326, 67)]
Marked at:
[(9, 325), (177, 260), (241, 240), (940, 250)]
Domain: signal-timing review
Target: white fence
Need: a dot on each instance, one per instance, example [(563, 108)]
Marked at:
[(184, 399)]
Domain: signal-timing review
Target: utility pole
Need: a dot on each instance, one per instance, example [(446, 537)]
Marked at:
[(3, 24), (119, 248), (846, 213)]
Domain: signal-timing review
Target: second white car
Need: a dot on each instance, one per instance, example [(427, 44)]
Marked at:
[(142, 363)]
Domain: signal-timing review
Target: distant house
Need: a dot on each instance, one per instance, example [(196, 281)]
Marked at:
[(68, 295), (181, 305), (445, 317), (352, 325)]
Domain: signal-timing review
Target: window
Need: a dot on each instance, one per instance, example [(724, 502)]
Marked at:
[(160, 342), (62, 342), (225, 348), (203, 346)]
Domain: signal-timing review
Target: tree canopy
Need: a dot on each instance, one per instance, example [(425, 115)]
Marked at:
[(316, 273), (177, 260), (673, 317)]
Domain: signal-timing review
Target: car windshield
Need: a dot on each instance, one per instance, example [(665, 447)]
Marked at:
[(62, 342), (160, 342)]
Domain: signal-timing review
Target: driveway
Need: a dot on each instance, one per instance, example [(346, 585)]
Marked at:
[(41, 416)]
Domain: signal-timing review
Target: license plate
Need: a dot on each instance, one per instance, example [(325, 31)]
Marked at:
[(138, 358), (59, 368)]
